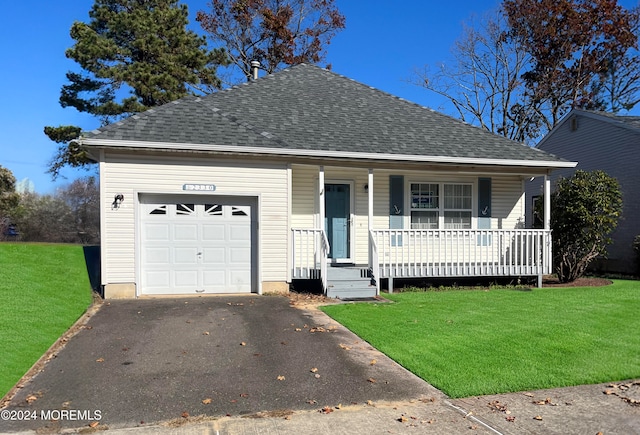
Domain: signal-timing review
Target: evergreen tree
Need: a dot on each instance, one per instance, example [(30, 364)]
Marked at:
[(135, 54)]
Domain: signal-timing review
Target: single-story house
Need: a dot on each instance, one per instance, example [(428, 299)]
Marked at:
[(307, 174), (607, 142)]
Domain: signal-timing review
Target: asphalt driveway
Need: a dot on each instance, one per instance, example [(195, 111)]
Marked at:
[(139, 362)]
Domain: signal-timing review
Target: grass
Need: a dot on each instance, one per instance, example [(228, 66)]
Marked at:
[(44, 289), (469, 343)]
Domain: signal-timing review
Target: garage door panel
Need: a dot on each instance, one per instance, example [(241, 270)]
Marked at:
[(185, 232), (214, 279), (240, 232), (214, 257), (158, 256), (240, 280), (186, 278), (240, 256), (191, 247), (158, 232), (213, 232), (157, 278), (186, 255)]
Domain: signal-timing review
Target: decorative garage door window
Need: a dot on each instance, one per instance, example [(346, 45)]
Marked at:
[(192, 209), (213, 209), (185, 209), (162, 209)]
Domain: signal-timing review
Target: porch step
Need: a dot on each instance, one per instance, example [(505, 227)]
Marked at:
[(349, 283)]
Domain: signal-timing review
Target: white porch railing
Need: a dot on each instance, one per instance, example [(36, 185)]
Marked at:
[(461, 253), (309, 254), (432, 253)]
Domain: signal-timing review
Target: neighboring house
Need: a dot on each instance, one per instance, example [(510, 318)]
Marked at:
[(307, 174), (610, 143)]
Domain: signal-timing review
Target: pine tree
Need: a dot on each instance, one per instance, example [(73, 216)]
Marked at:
[(135, 54)]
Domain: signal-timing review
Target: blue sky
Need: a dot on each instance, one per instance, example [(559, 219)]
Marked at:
[(382, 45)]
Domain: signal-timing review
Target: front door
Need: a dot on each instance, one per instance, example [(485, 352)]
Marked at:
[(338, 220)]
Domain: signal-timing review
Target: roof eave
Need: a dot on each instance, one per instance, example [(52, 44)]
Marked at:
[(114, 144)]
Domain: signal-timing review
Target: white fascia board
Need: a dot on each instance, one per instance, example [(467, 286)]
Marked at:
[(110, 143)]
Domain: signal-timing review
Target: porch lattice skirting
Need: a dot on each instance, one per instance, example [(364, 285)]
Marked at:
[(435, 253)]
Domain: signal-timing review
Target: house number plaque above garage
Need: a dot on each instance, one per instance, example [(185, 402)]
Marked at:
[(200, 187)]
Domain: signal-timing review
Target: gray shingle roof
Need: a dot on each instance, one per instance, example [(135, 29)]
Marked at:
[(629, 121), (309, 108)]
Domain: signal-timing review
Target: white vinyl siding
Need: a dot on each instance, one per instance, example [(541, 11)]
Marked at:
[(507, 203), (130, 176)]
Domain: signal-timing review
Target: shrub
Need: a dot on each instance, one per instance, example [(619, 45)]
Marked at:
[(585, 209)]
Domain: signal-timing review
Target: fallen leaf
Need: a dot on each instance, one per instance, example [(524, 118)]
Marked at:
[(402, 419), (314, 370), (100, 360), (298, 329), (184, 414), (242, 343), (369, 402), (244, 395), (280, 378), (373, 381), (537, 417), (32, 398), (205, 333), (326, 410), (528, 394), (373, 362), (312, 402), (344, 346), (94, 424), (510, 418), (206, 401), (317, 376)]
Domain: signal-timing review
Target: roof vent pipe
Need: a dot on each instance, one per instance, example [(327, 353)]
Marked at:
[(254, 69)]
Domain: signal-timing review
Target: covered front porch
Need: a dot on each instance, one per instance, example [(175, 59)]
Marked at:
[(454, 250)]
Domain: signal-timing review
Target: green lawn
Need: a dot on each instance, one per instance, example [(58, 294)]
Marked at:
[(44, 289), (479, 342)]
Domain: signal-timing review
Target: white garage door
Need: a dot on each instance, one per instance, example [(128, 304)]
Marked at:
[(196, 245)]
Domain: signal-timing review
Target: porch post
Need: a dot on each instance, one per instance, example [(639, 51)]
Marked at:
[(373, 267), (547, 203), (547, 227), (370, 183), (321, 197)]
